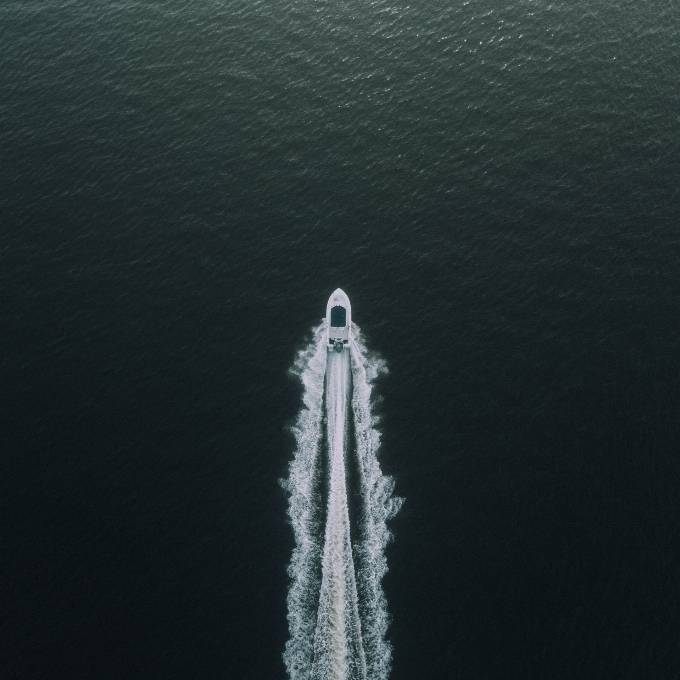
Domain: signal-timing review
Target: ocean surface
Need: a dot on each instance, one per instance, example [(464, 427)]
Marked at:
[(496, 186)]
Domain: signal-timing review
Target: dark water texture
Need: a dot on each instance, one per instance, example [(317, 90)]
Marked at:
[(495, 185)]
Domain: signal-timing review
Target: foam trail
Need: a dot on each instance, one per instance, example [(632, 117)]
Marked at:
[(378, 506), (304, 509), (338, 648), (337, 611)]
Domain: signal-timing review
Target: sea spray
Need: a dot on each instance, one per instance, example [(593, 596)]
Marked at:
[(304, 509), (338, 647), (378, 505), (337, 611)]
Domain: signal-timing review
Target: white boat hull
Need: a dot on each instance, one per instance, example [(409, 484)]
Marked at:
[(338, 321)]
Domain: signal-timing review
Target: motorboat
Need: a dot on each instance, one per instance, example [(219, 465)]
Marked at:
[(338, 321)]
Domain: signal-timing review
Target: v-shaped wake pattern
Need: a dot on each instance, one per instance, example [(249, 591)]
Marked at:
[(337, 611)]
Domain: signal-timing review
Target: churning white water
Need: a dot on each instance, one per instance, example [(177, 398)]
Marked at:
[(337, 611)]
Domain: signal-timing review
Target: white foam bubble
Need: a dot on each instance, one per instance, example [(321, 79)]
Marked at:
[(304, 509), (378, 505), (337, 611), (338, 647)]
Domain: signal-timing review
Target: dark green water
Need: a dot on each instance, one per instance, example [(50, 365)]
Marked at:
[(495, 186)]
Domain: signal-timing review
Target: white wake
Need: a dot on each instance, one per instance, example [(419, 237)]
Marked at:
[(337, 612)]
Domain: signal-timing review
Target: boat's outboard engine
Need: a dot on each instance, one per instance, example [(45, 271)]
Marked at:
[(338, 345)]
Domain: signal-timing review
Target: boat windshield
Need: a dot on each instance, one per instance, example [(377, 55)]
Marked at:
[(338, 317)]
